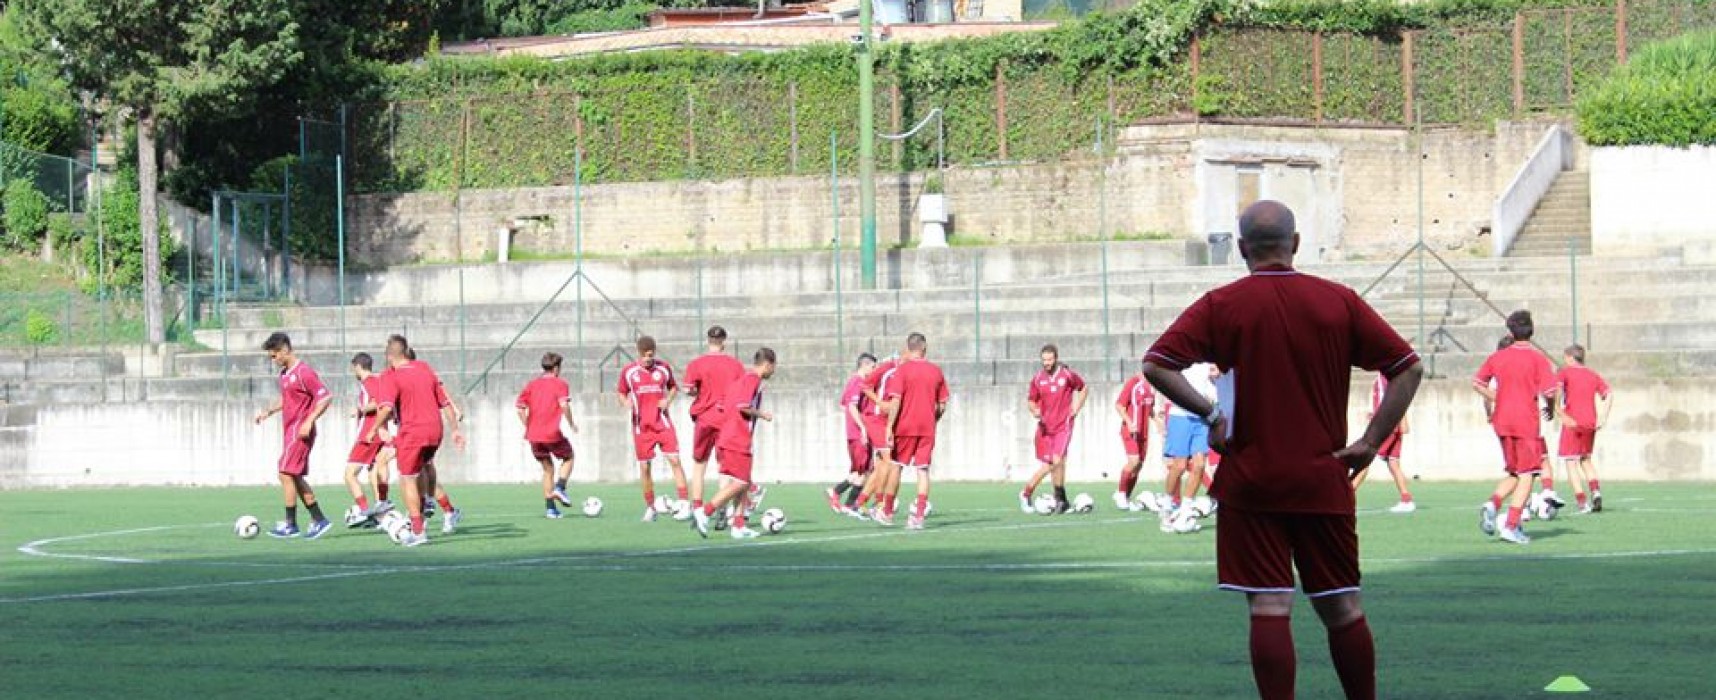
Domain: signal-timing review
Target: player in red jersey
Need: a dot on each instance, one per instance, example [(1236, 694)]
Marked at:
[(921, 402), (741, 406), (1056, 396), (1523, 376), (415, 394), (1389, 452), (545, 401), (1136, 405), (884, 480), (367, 455), (1583, 409), (647, 388), (705, 378), (853, 405), (303, 400), (1289, 342)]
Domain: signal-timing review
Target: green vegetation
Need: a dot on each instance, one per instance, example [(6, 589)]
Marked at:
[(1006, 605), (1664, 96), (25, 215)]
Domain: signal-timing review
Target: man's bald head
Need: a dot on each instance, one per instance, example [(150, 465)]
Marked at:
[(1267, 233)]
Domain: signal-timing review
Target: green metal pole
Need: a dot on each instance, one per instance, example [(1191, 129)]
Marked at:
[(578, 253), (1102, 230), (340, 228), (834, 189), (867, 144), (977, 312), (1573, 285), (1418, 129), (220, 301), (286, 233)]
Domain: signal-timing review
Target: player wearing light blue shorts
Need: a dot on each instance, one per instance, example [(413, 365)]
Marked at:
[(1185, 445)]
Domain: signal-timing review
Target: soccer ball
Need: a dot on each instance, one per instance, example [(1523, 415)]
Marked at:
[(1541, 509), (246, 527), (1044, 505), (662, 504), (774, 521), (1185, 524), (396, 527), (1083, 503), (592, 507), (1147, 501), (1202, 506)]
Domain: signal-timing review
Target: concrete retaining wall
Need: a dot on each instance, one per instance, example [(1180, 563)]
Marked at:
[(1648, 198)]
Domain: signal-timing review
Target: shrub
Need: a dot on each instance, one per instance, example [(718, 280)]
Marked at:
[(39, 328), (1664, 96), (26, 214)]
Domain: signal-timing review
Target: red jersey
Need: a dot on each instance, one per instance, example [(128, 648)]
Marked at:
[(853, 396), (1522, 375), (1053, 393), (417, 397), (1139, 400), (301, 391), (708, 376), (1580, 388), (736, 428), (921, 388), (647, 387), (1290, 341), (545, 397), (367, 390), (881, 383)]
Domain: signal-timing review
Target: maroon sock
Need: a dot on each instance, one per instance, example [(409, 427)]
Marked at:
[(1354, 654), (1128, 482), (1027, 492), (1495, 502), (1512, 518), (1273, 664), (1594, 485), (381, 491), (1549, 483), (682, 491), (446, 503), (649, 498)]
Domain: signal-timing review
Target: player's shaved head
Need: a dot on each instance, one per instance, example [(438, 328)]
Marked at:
[(916, 343), (1577, 352), (1267, 233)]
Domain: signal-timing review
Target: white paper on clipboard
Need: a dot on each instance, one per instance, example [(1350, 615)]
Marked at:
[(1225, 399)]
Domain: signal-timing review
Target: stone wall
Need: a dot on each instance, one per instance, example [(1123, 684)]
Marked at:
[(1648, 198)]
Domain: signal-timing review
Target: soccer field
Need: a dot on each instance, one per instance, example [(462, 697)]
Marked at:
[(147, 593)]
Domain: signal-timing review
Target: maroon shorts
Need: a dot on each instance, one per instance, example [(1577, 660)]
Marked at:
[(646, 440), (1258, 552), (559, 449), (1522, 455), (412, 458), (1052, 446), (364, 453), (1390, 448), (735, 464), (1576, 443), (860, 455), (295, 455), (1136, 444), (914, 451), (703, 437), (876, 431)]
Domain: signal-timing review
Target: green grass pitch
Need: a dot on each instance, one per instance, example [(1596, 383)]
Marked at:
[(988, 602)]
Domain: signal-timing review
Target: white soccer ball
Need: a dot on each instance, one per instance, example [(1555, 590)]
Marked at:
[(1202, 506), (1044, 505), (662, 504), (592, 507), (1083, 503), (1541, 509), (1185, 524), (246, 527), (397, 528), (1147, 501), (774, 521)]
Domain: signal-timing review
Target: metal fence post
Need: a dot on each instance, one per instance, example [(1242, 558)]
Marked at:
[(834, 188), (1102, 231), (1573, 284)]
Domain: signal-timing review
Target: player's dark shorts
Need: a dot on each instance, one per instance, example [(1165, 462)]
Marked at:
[(295, 454), (914, 451), (859, 454), (559, 449), (1577, 443), (1258, 552), (364, 453), (704, 433), (735, 464), (412, 458), (1390, 448), (1522, 455)]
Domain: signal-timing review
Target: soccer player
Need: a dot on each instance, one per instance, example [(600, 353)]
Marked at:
[(1583, 409), (1185, 446), (922, 400), (742, 406), (1137, 408), (705, 378), (367, 455), (1389, 452), (1290, 341), (541, 406), (647, 388), (1522, 376), (853, 406), (1056, 396), (884, 480), (303, 400), (414, 393)]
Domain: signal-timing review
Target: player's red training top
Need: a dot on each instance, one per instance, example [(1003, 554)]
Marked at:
[(921, 387), (1053, 394), (1139, 400), (1291, 341), (736, 428), (1377, 389), (708, 376), (367, 390), (647, 386), (881, 383), (1580, 388), (853, 396), (1522, 375), (544, 396), (416, 395), (301, 390)]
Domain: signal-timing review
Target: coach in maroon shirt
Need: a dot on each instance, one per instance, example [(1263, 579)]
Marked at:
[(1290, 342)]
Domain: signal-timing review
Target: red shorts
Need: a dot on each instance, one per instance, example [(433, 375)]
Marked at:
[(1136, 444), (1052, 446), (364, 453), (295, 455), (876, 431), (860, 455), (735, 464), (412, 458), (1576, 443), (647, 440), (914, 451), (1390, 448), (1522, 455), (703, 437), (559, 449), (1257, 552)]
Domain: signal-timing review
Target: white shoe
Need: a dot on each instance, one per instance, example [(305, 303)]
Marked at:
[(649, 514), (1515, 535), (379, 508), (914, 523), (412, 539), (1404, 507), (700, 522), (1167, 518), (1025, 504), (744, 533), (683, 514), (1554, 500), (1487, 518), (1586, 509), (451, 522), (1120, 501), (1148, 500)]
